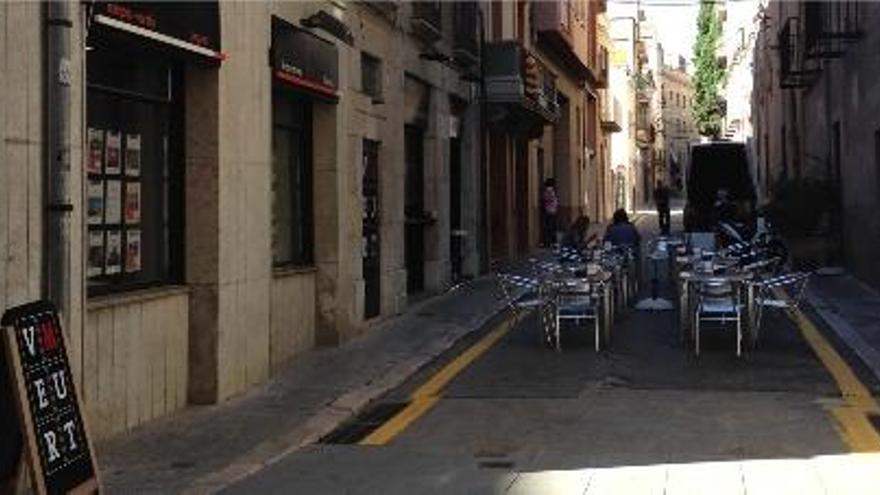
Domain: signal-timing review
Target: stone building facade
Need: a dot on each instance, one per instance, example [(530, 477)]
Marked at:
[(815, 111), (280, 176), (542, 77), (679, 131)]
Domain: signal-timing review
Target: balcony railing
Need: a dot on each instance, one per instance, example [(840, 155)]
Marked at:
[(797, 70), (387, 9), (552, 21), (517, 78), (829, 26), (427, 20), (466, 44)]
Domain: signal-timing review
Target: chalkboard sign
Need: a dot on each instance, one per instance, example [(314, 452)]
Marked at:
[(58, 447)]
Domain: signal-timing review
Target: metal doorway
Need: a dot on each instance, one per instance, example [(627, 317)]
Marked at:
[(456, 240), (371, 230), (414, 209)]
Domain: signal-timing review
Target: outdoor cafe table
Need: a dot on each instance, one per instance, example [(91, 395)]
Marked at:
[(689, 279)]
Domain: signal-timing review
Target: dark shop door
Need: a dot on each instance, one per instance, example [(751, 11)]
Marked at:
[(371, 240), (414, 210), (457, 237)]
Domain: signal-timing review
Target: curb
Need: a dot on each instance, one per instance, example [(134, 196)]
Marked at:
[(845, 333), (343, 408)]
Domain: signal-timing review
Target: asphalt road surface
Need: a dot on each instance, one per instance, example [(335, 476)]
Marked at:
[(644, 416)]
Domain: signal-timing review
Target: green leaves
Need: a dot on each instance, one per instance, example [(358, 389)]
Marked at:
[(709, 73)]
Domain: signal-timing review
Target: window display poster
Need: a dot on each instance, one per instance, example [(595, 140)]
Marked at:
[(132, 251), (95, 202), (113, 262), (94, 160), (132, 203), (133, 155), (96, 254), (114, 143), (113, 202)]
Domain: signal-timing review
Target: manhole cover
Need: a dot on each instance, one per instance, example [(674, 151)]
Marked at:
[(182, 464)]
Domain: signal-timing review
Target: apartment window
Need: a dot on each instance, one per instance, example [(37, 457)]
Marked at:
[(292, 239), (371, 76), (134, 168)]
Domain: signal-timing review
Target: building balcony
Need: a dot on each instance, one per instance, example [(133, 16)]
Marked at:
[(796, 69), (465, 30), (553, 23), (612, 116), (427, 20), (386, 9), (521, 91), (829, 26)]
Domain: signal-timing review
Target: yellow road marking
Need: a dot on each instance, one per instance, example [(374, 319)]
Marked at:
[(429, 393), (852, 418)]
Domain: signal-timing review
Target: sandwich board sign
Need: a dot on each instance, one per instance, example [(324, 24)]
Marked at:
[(57, 447)]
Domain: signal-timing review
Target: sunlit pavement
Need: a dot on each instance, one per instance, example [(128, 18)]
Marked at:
[(645, 416)]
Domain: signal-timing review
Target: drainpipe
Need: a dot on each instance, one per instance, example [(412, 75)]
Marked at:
[(484, 161), (59, 23)]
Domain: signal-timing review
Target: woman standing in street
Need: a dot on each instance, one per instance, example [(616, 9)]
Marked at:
[(549, 208)]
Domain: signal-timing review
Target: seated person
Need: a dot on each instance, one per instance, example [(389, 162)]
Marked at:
[(576, 236), (621, 232)]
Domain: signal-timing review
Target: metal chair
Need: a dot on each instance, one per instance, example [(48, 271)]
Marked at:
[(576, 301), (517, 292), (766, 289), (718, 302)]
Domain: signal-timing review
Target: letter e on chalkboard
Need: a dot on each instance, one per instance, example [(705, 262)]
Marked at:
[(56, 443)]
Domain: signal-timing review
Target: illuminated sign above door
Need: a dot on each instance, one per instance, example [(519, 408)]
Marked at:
[(190, 26), (303, 60)]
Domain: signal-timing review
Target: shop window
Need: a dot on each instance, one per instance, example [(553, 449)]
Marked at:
[(371, 76), (292, 237), (134, 189)]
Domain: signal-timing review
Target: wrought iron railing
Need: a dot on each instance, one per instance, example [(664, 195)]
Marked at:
[(427, 20), (829, 26), (797, 70), (466, 43)]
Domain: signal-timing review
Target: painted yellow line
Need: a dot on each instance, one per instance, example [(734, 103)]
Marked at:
[(852, 417), (428, 394)]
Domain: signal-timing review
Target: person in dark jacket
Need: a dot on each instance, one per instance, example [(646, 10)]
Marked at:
[(621, 232), (661, 201)]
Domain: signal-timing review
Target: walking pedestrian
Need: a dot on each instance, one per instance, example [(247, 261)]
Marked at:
[(661, 201), (549, 208)]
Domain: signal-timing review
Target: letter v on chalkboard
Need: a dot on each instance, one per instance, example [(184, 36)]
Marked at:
[(57, 447)]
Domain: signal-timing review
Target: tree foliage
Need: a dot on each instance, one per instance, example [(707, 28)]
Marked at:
[(709, 74)]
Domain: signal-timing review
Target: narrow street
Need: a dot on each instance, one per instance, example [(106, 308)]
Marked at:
[(644, 416)]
